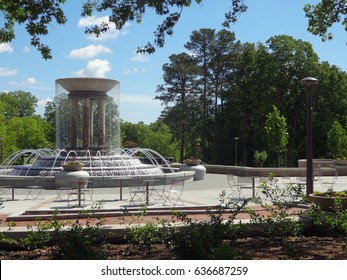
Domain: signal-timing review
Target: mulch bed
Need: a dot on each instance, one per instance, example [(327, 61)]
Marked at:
[(255, 248)]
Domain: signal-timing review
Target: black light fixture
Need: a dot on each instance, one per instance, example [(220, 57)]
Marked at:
[(235, 139), (310, 87)]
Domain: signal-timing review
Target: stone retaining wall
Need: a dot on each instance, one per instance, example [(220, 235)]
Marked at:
[(265, 171)]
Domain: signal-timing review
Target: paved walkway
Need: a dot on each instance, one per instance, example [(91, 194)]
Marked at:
[(202, 193)]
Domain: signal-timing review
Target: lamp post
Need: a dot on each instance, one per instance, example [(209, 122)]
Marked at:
[(1, 150), (286, 155), (310, 85), (235, 139), (198, 154)]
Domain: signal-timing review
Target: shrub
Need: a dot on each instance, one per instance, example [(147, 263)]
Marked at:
[(38, 237), (277, 221), (205, 239), (145, 237), (79, 242), (260, 158), (330, 222)]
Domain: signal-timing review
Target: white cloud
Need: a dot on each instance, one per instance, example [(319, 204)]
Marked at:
[(93, 20), (43, 102), (134, 70), (26, 50), (5, 47), (89, 51), (130, 71), (95, 68), (7, 72), (30, 81), (112, 33), (139, 107), (27, 82), (139, 57)]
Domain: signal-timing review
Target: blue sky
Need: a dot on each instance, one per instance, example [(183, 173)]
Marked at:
[(113, 56)]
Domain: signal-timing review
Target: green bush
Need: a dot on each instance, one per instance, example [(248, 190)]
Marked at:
[(277, 221), (80, 242), (145, 237), (260, 158), (205, 239), (330, 222), (38, 237)]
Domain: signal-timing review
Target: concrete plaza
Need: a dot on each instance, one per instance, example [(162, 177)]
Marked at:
[(201, 193)]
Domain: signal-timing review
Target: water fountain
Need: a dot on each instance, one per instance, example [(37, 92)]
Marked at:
[(87, 131)]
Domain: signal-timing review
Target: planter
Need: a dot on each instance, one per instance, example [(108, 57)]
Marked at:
[(326, 203), (72, 178), (72, 167), (192, 162)]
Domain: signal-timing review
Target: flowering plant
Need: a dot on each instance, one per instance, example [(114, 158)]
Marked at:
[(192, 161), (72, 165), (326, 199)]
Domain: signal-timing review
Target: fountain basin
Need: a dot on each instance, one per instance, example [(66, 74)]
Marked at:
[(94, 181)]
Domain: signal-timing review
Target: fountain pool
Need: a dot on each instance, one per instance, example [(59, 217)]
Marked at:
[(110, 170)]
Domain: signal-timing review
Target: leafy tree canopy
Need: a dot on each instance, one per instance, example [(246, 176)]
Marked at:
[(324, 15), (275, 129), (337, 137), (124, 11), (18, 104), (26, 133), (156, 136), (36, 15)]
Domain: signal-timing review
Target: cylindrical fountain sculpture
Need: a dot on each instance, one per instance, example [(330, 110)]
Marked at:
[(81, 120), (87, 114)]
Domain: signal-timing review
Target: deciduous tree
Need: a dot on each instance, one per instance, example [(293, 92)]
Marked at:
[(18, 104), (36, 15), (125, 11), (337, 140), (276, 132), (322, 16)]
